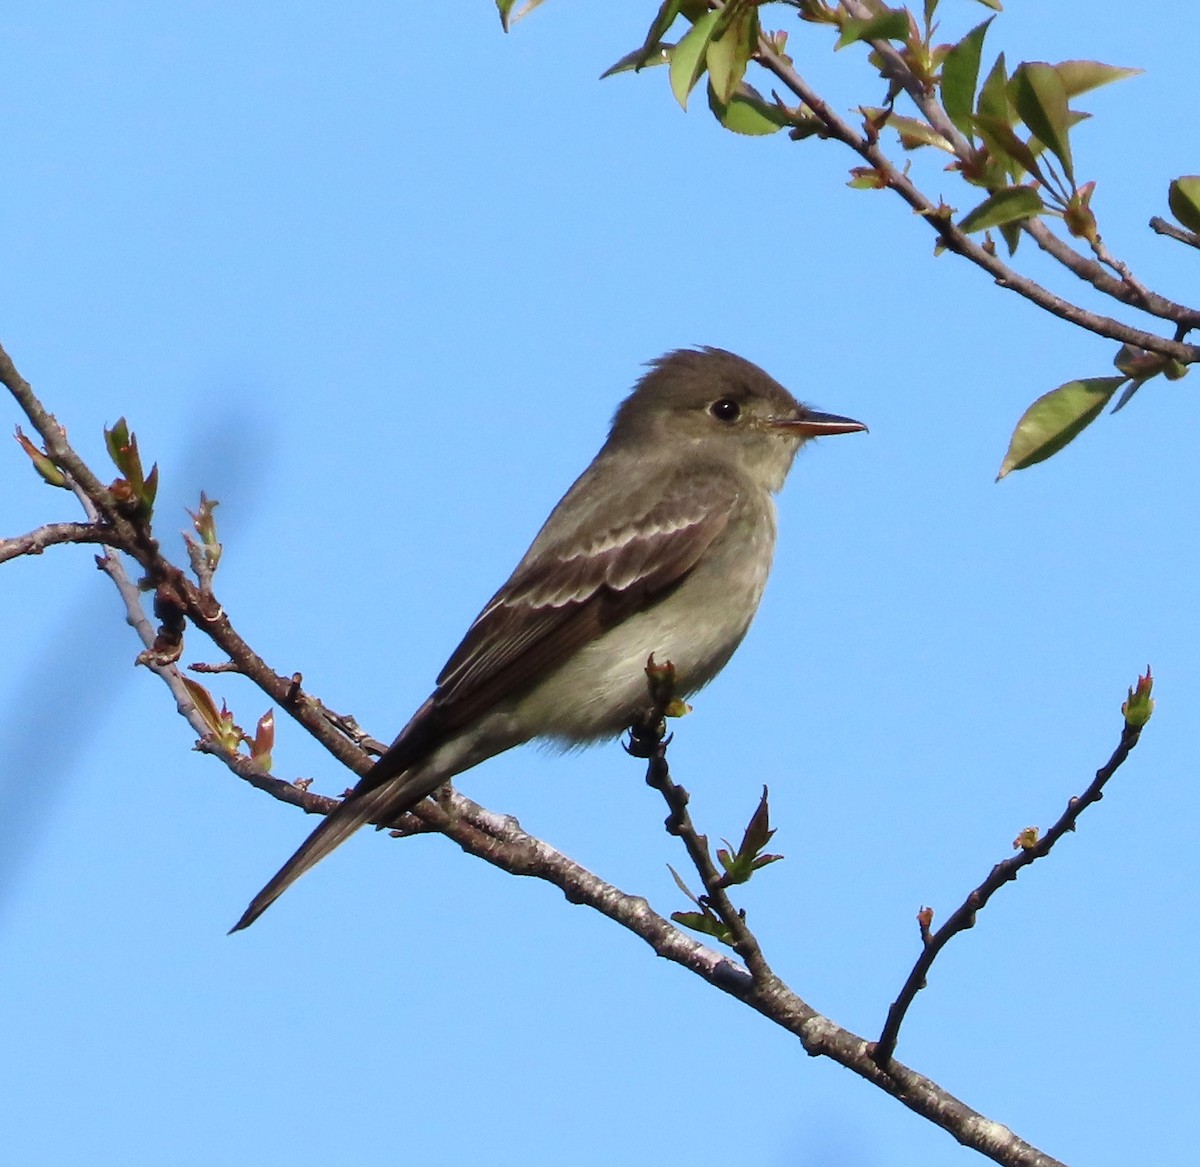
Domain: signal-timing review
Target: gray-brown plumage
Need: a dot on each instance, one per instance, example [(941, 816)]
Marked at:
[(662, 546)]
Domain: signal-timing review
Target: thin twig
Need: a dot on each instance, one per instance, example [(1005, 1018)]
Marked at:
[(135, 616), (964, 916), (36, 541), (1160, 225), (1127, 290), (55, 438), (346, 724), (958, 241), (1143, 294), (649, 740)]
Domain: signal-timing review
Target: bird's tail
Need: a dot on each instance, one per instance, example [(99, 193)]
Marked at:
[(390, 798)]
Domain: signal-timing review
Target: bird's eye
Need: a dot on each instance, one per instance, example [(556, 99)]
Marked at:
[(725, 409)]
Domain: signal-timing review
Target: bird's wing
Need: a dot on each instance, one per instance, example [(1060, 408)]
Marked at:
[(573, 592), (570, 593), (567, 596)]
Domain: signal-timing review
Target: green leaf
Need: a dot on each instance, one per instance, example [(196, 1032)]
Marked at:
[(993, 109), (663, 19), (1011, 205), (507, 16), (741, 864), (994, 5), (706, 923), (117, 441), (659, 54), (866, 178), (1074, 117), (1137, 362), (123, 449), (1138, 707), (758, 831), (1006, 146), (705, 920), (960, 75), (993, 94), (1011, 234), (683, 887), (1140, 366), (914, 133), (206, 527), (652, 50), (150, 486), (42, 463), (1127, 395), (930, 9), (264, 740), (729, 52), (687, 58), (1183, 197), (747, 113), (206, 706), (1080, 76), (890, 25), (1040, 96), (1056, 418)]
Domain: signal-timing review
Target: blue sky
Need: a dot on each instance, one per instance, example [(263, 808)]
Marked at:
[(376, 277)]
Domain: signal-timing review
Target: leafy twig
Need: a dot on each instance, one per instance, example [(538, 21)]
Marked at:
[(648, 739), (1127, 289), (962, 244)]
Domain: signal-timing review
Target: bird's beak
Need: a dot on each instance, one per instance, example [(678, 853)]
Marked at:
[(816, 425)]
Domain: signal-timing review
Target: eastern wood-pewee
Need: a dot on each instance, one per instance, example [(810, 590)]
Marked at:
[(662, 546)]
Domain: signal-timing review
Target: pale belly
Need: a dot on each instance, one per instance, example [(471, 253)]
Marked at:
[(697, 627)]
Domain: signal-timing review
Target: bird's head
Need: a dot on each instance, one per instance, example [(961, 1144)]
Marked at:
[(724, 407)]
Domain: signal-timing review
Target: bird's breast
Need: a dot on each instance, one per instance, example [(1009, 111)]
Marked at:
[(696, 626)]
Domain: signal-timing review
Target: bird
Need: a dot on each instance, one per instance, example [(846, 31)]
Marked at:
[(661, 547)]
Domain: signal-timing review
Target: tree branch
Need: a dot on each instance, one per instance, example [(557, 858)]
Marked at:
[(1127, 289), (961, 243), (964, 916), (496, 839), (499, 840), (1161, 226), (649, 740), (55, 438), (36, 541)]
